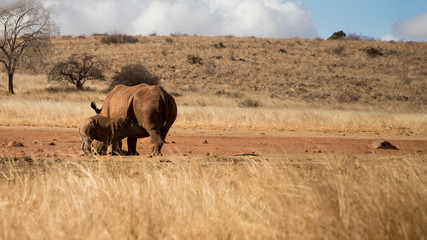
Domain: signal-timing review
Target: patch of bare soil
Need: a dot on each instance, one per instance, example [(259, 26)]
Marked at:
[(65, 143)]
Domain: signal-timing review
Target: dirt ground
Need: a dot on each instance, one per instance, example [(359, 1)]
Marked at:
[(65, 143)]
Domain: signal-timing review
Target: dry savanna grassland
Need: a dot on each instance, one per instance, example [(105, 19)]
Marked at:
[(227, 84)]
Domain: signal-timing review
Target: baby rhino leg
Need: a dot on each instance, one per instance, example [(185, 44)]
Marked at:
[(99, 148), (116, 148), (86, 142)]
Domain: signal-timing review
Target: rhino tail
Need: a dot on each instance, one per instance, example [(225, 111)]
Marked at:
[(97, 110)]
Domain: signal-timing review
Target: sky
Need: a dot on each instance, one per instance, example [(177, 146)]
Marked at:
[(380, 19)]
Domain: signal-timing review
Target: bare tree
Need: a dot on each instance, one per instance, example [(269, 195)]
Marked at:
[(77, 70), (23, 26)]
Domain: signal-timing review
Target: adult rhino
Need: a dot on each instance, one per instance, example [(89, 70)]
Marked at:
[(150, 106)]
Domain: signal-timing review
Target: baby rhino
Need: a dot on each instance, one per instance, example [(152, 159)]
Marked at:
[(106, 130)]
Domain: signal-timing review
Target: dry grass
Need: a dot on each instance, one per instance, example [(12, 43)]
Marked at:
[(249, 83), (296, 119), (310, 71), (271, 197), (39, 103)]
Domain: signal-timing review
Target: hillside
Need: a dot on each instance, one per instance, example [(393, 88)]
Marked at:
[(383, 75)]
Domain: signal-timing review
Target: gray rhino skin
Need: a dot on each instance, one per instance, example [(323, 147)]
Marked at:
[(151, 107)]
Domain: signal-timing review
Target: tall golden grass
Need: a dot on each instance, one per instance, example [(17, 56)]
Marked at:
[(266, 197), (59, 106)]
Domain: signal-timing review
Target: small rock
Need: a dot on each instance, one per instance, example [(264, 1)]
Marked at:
[(382, 144), (15, 144), (205, 142), (28, 159), (51, 144)]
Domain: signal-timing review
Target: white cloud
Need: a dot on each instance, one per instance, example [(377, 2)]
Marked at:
[(96, 16), (260, 18), (389, 37), (4, 3), (412, 29)]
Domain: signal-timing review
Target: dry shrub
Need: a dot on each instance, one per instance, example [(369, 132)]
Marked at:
[(250, 103), (230, 94), (119, 39), (373, 52), (358, 37), (169, 40), (219, 45), (194, 59), (348, 97), (134, 74)]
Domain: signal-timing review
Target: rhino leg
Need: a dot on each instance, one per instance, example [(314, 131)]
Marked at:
[(157, 140), (99, 148), (132, 146), (116, 148), (86, 147)]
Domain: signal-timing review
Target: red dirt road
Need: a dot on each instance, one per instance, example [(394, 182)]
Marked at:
[(65, 143)]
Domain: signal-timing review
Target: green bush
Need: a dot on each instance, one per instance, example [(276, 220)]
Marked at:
[(337, 35)]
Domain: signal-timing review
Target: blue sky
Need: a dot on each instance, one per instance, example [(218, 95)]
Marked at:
[(374, 18), (380, 19)]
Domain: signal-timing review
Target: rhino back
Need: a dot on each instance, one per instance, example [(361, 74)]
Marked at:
[(119, 100)]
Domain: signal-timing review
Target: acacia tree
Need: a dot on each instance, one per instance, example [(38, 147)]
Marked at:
[(77, 69), (24, 26)]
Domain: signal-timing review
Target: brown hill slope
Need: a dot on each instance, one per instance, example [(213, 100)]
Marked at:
[(385, 75)]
